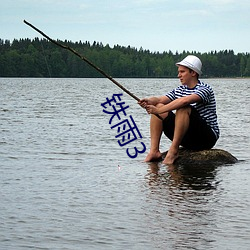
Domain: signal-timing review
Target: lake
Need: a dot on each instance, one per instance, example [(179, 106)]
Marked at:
[(67, 184)]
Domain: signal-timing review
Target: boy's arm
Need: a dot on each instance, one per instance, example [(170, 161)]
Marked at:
[(176, 104), (154, 101)]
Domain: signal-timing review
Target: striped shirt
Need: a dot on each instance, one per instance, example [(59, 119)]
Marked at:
[(206, 108)]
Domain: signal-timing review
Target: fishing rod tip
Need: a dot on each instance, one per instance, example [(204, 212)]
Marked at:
[(26, 22)]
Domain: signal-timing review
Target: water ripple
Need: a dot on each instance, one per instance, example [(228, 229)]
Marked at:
[(66, 184)]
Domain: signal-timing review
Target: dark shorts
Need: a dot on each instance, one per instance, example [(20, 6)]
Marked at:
[(199, 135)]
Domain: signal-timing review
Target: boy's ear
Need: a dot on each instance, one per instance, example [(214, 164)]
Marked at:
[(193, 73)]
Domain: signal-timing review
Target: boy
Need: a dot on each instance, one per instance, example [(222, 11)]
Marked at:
[(194, 125)]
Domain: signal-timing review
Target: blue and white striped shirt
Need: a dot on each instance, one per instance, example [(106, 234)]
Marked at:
[(206, 108)]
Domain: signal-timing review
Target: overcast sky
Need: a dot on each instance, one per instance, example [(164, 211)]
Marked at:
[(157, 25)]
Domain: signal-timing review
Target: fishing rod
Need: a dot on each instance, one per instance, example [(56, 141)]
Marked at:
[(86, 60)]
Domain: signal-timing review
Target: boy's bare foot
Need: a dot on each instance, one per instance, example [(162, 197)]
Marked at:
[(153, 156), (170, 157)]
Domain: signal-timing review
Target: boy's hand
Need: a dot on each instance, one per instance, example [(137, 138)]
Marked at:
[(151, 109), (144, 103)]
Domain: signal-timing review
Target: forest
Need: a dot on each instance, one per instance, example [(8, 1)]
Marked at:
[(41, 58)]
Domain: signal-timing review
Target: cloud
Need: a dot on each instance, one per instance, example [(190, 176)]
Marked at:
[(148, 2), (225, 5), (152, 24), (83, 6), (221, 2)]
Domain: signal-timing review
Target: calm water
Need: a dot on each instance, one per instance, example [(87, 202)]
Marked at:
[(67, 184)]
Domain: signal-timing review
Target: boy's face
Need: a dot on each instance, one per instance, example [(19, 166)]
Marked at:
[(185, 75)]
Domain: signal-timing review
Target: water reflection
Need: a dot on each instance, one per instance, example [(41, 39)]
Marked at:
[(183, 198), (183, 177)]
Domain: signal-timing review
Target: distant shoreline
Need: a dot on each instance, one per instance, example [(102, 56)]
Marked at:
[(41, 58)]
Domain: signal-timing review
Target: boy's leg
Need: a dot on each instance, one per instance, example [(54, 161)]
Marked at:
[(156, 128), (199, 135), (181, 127)]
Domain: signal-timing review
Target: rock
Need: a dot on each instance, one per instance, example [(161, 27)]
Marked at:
[(213, 157)]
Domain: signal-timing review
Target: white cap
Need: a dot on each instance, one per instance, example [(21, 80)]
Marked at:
[(191, 62)]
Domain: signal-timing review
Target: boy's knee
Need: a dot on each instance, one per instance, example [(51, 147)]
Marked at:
[(184, 110), (159, 105)]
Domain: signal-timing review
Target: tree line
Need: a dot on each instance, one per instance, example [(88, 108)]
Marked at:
[(40, 58)]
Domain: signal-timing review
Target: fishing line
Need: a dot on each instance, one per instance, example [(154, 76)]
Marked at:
[(45, 58)]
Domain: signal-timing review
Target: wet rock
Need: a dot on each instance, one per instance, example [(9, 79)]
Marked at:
[(213, 157)]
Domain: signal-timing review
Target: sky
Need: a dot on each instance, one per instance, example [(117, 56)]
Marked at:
[(155, 25)]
